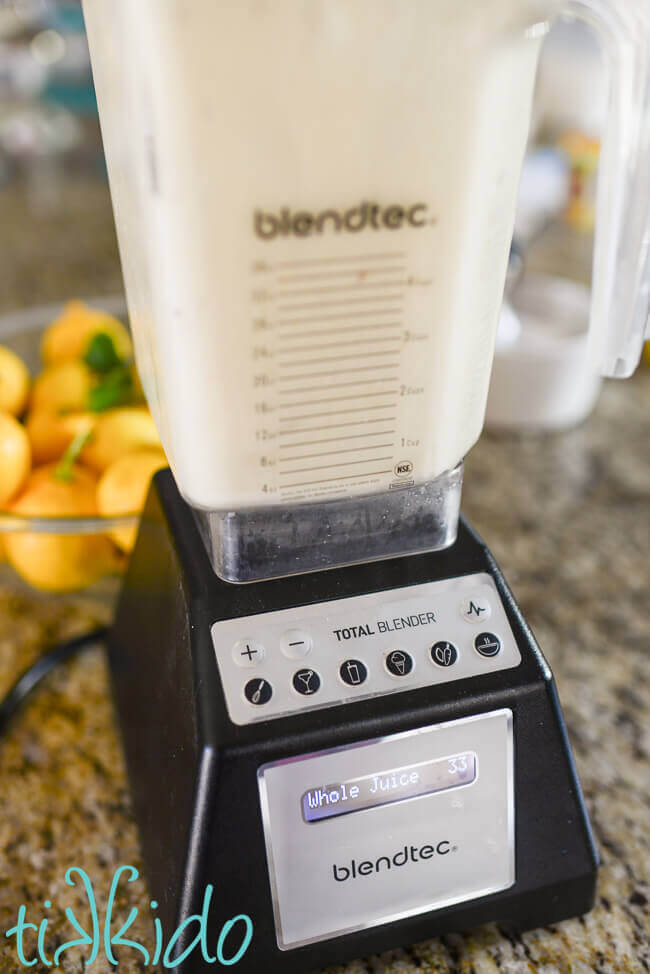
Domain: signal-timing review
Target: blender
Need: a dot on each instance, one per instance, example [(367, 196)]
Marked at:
[(334, 715)]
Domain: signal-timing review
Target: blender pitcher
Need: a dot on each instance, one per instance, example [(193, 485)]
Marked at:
[(314, 204)]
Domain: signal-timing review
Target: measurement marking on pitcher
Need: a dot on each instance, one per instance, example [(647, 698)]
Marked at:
[(339, 385), (335, 330), (350, 398), (336, 358), (378, 367), (291, 336), (323, 346), (316, 375), (334, 439), (343, 301), (344, 272), (334, 412), (334, 288), (282, 322), (334, 426), (334, 466), (333, 453), (311, 261), (329, 480)]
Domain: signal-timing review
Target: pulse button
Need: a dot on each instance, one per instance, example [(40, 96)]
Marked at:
[(476, 609)]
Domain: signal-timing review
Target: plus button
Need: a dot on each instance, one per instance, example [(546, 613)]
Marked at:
[(248, 652)]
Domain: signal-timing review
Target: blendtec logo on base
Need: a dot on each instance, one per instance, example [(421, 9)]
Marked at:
[(367, 215), (368, 867)]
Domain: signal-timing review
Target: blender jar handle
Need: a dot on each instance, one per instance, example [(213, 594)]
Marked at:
[(621, 267)]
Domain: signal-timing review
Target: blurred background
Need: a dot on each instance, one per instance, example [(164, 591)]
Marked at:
[(57, 236)]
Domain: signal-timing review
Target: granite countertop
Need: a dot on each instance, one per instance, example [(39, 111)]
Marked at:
[(568, 518)]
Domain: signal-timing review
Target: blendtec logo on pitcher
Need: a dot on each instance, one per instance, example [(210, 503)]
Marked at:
[(365, 216)]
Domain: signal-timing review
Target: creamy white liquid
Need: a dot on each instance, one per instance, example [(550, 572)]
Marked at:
[(313, 364)]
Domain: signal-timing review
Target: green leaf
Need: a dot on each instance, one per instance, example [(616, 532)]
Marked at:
[(64, 468), (100, 354), (114, 389)]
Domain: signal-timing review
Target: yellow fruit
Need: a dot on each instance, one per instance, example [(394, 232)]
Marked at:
[(63, 387), (123, 487), (51, 433), (14, 382), (118, 432), (69, 335), (59, 562), (47, 496), (15, 457)]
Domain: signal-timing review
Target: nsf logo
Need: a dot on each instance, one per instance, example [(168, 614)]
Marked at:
[(403, 468)]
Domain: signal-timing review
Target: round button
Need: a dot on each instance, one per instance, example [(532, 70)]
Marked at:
[(258, 691), (399, 663), (296, 643), (306, 682), (477, 609), (353, 672), (247, 652), (444, 654), (487, 644)]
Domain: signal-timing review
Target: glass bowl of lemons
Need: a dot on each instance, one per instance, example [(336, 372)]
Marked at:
[(78, 445)]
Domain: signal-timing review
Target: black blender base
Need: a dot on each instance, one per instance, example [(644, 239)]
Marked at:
[(193, 773)]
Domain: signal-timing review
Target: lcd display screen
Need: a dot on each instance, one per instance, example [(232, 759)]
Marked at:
[(387, 786)]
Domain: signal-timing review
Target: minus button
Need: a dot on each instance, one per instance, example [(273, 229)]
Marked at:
[(296, 644)]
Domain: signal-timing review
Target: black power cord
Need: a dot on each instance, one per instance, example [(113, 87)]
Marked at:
[(36, 673)]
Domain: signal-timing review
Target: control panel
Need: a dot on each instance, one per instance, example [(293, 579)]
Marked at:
[(379, 830), (306, 657)]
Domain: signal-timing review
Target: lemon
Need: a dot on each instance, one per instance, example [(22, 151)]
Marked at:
[(123, 487), (50, 433), (59, 562), (70, 334), (62, 387), (14, 382), (15, 457), (118, 432)]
